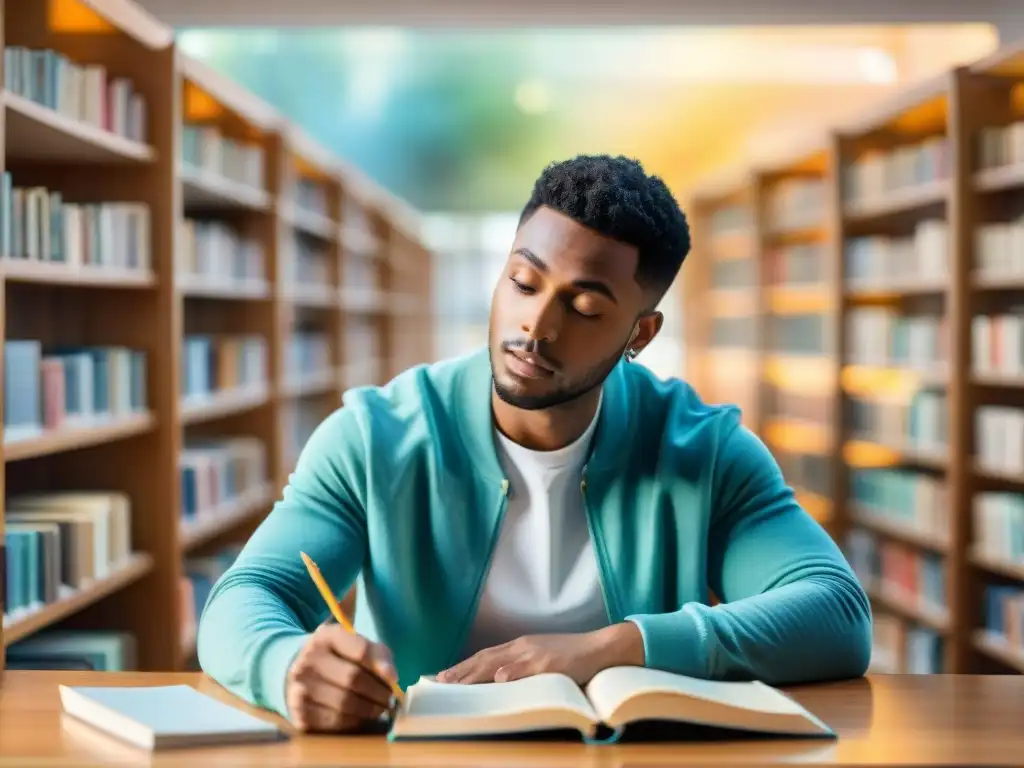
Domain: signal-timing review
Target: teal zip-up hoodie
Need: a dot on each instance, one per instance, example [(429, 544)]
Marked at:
[(402, 486)]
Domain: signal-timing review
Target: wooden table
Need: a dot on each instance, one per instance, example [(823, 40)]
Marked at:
[(882, 720)]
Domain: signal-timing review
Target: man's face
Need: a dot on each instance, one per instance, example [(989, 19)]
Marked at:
[(563, 312)]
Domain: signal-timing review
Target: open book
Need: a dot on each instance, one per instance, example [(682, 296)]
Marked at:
[(614, 698)]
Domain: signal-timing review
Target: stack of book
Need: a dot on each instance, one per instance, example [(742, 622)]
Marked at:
[(79, 650), (915, 501), (307, 353), (894, 568), (218, 471), (217, 251), (879, 262), (54, 387), (882, 336), (797, 204), (999, 439), (38, 224), (997, 344), (999, 526), (922, 424), (308, 195), (204, 147), (201, 573), (85, 93), (61, 542), (877, 174), (212, 364)]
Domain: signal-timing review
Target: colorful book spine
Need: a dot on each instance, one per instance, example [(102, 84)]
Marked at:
[(217, 472), (913, 500), (61, 542), (220, 363), (792, 266), (919, 423), (1000, 145), (39, 224), (75, 650), (79, 91), (204, 147), (201, 573), (51, 388), (796, 204), (999, 439), (879, 173), (1002, 613), (882, 336), (306, 260), (998, 518), (879, 262), (307, 352), (211, 249), (997, 344), (309, 195)]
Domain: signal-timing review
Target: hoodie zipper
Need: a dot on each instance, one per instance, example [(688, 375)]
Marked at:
[(471, 615), (611, 610)]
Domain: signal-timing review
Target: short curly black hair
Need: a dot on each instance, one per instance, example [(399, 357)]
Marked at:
[(616, 197)]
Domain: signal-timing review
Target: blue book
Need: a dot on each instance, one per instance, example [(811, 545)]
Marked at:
[(164, 717)]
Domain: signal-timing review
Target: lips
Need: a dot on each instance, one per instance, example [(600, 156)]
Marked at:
[(528, 365)]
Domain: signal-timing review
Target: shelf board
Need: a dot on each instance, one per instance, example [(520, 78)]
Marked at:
[(798, 436), (35, 132), (1001, 178), (71, 438), (897, 530), (309, 295), (233, 290), (362, 300), (316, 383), (1002, 475), (311, 223), (205, 189), (867, 453), (999, 648), (58, 273), (981, 282), (997, 566), (138, 565), (1003, 380), (895, 290), (898, 201), (223, 403), (224, 517)]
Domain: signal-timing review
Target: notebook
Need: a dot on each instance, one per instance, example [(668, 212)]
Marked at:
[(164, 716), (614, 699)]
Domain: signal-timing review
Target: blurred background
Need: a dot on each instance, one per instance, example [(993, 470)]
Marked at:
[(811, 145)]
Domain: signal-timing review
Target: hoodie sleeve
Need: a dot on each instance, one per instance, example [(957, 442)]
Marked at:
[(262, 610), (792, 609)]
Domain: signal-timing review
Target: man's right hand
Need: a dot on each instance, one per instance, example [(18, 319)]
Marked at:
[(338, 682)]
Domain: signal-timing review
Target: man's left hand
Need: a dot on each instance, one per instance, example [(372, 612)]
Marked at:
[(580, 656)]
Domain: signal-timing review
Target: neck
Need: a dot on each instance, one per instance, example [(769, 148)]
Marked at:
[(550, 428)]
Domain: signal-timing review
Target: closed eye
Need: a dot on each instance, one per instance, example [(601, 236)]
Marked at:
[(522, 288)]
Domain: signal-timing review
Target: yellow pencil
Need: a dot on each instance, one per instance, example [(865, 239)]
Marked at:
[(339, 615)]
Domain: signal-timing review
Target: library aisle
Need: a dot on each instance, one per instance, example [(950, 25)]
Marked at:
[(190, 283), (860, 299)]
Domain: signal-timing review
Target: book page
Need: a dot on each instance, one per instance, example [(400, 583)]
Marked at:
[(613, 687), (429, 698)]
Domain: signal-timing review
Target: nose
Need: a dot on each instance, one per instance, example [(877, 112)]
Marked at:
[(544, 321)]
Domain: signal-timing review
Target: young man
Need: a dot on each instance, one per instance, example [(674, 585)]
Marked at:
[(540, 506)]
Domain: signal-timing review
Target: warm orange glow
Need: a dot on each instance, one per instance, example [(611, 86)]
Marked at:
[(797, 436), (306, 169), (199, 106), (929, 117), (811, 375), (76, 17), (795, 301), (732, 303), (864, 455), (870, 381), (817, 506), (733, 246)]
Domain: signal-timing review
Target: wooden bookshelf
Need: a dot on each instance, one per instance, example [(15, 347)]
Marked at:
[(923, 362), (220, 233)]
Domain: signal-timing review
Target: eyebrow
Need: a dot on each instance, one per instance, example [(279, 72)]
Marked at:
[(595, 286)]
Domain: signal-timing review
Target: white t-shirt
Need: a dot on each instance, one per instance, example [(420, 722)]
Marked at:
[(543, 576)]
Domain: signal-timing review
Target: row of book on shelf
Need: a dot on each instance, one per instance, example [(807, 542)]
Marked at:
[(49, 387), (39, 224), (114, 651)]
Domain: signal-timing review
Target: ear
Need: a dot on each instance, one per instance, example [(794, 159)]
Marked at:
[(647, 328)]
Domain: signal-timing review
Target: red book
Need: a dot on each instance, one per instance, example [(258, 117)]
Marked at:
[(53, 392)]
